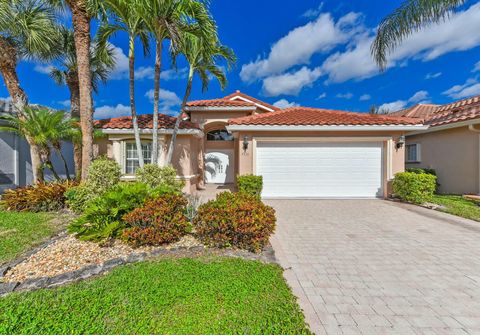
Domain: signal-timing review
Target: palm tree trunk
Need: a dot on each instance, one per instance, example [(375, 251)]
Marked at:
[(136, 131), (58, 149), (8, 64), (81, 28), (188, 90), (156, 98), (75, 113)]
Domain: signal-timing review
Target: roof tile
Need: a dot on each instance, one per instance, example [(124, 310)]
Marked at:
[(145, 121)]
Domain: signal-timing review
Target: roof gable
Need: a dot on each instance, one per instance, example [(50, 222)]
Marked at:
[(244, 97)]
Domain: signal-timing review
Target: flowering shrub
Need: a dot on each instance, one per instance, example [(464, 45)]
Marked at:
[(235, 219), (161, 220), (37, 198)]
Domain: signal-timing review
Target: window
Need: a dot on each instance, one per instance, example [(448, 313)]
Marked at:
[(219, 135), (131, 157), (412, 153)]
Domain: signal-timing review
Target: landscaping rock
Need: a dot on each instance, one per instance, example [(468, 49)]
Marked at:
[(7, 287)]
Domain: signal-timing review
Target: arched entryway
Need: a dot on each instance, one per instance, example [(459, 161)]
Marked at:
[(219, 154)]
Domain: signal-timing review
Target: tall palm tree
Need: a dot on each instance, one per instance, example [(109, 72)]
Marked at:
[(27, 30), (127, 17), (168, 20), (410, 17), (47, 129), (204, 55), (102, 62), (83, 11)]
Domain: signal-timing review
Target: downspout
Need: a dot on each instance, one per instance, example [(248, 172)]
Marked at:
[(475, 130)]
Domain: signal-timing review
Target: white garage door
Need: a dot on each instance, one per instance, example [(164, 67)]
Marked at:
[(320, 170)]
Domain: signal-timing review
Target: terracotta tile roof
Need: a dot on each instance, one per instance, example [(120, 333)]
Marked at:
[(145, 121), (418, 111), (245, 96), (436, 115), (303, 116), (219, 103)]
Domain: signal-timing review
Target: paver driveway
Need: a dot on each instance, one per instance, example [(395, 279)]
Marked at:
[(374, 267)]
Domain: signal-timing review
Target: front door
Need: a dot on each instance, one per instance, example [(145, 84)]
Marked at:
[(219, 166)]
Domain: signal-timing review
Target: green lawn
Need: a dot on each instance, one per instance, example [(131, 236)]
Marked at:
[(185, 296), (21, 231), (459, 206)]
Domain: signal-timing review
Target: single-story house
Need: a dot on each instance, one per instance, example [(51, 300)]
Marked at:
[(15, 162), (300, 152), (450, 146)]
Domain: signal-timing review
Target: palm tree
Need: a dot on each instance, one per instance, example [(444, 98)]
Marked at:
[(203, 55), (168, 20), (47, 129), (410, 17), (83, 11), (102, 62), (127, 17), (27, 30)]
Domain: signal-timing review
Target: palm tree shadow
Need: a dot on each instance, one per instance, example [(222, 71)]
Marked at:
[(212, 164)]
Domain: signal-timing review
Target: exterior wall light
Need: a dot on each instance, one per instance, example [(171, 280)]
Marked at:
[(401, 142), (245, 143)]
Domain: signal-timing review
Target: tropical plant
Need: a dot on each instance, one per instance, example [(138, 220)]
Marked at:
[(41, 197), (83, 11), (46, 129), (204, 55), (127, 17), (411, 16), (27, 30), (169, 20), (65, 72), (155, 176)]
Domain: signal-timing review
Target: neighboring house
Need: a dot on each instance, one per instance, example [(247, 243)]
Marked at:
[(15, 164), (300, 152), (451, 144)]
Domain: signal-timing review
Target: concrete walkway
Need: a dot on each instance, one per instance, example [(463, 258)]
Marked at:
[(376, 267)]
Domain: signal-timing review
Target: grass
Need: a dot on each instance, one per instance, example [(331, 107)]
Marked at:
[(21, 231), (185, 296), (457, 205)]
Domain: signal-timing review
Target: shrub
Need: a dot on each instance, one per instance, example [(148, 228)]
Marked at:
[(235, 219), (250, 184), (414, 187), (421, 170), (44, 197), (103, 174), (155, 176), (102, 217), (161, 220)]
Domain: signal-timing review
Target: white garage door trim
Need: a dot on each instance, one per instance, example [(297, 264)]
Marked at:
[(373, 147)]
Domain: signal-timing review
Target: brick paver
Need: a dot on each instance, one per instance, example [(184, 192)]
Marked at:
[(373, 267)]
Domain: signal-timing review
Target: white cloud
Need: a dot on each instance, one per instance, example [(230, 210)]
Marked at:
[(121, 64), (172, 74), (313, 12), (418, 97), (347, 95), (300, 44), (290, 83), (106, 112), (433, 75), (284, 103), (365, 97), (45, 69), (322, 96), (168, 101), (457, 33), (64, 103), (476, 67), (148, 72), (470, 88), (144, 72)]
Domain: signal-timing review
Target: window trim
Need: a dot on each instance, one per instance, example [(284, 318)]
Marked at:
[(418, 156)]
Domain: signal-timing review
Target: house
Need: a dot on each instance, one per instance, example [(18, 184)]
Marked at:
[(15, 163), (451, 144), (300, 152)]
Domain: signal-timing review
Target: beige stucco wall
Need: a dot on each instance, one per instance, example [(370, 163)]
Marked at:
[(454, 154), (392, 165)]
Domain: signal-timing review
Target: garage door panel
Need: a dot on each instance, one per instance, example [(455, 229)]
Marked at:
[(297, 169)]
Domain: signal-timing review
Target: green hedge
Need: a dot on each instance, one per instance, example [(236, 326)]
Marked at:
[(414, 187), (250, 184)]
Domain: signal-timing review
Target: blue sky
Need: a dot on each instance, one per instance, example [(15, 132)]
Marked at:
[(308, 53)]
